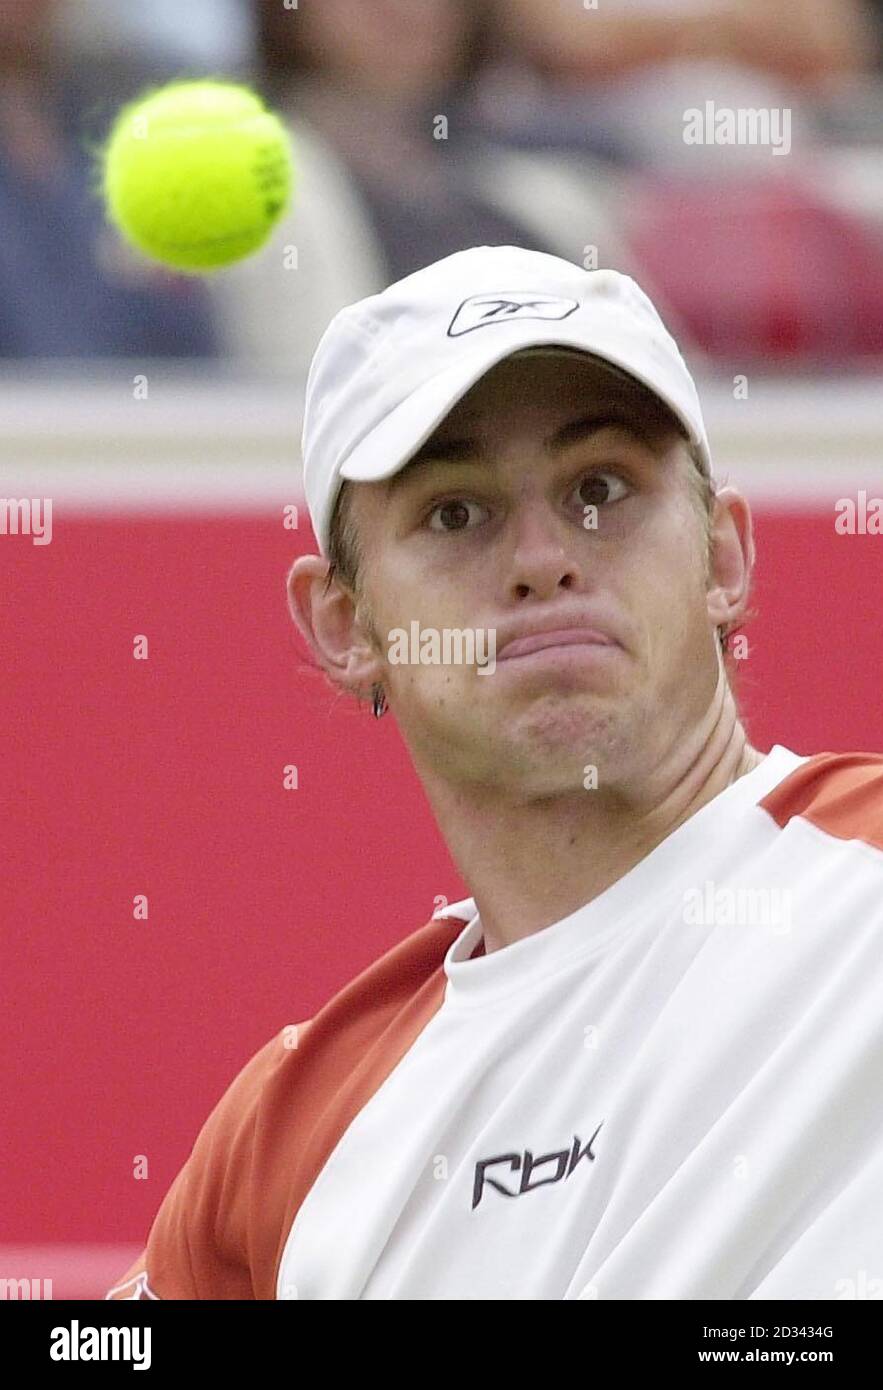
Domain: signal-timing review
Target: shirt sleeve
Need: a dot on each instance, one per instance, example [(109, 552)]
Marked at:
[(198, 1244)]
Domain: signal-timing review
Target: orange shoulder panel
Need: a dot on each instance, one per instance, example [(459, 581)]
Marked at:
[(222, 1226), (840, 793)]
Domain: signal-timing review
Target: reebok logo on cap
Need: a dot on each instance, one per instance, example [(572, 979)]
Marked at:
[(483, 309)]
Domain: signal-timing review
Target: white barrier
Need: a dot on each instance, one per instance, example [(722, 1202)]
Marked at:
[(139, 436)]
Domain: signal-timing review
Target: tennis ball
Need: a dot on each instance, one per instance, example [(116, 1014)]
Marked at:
[(196, 174)]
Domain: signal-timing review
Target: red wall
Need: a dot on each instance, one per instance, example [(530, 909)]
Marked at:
[(164, 777)]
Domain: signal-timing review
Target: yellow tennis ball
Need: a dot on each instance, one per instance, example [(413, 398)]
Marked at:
[(196, 174)]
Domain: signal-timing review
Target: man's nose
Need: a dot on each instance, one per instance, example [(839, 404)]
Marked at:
[(542, 550)]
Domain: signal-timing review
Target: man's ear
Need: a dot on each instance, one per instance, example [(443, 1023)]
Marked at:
[(731, 559), (328, 622)]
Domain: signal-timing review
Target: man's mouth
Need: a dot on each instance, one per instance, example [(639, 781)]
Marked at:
[(562, 637)]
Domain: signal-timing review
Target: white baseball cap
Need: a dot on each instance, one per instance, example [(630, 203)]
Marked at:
[(389, 368)]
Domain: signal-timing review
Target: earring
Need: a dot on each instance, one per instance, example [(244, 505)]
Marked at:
[(379, 705)]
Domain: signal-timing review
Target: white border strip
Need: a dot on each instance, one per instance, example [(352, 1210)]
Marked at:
[(214, 445)]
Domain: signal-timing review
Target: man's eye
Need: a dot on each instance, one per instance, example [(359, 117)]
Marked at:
[(597, 488), (453, 514)]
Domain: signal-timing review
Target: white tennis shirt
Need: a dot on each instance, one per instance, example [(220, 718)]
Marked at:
[(674, 1092)]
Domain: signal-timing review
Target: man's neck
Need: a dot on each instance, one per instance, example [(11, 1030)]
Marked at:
[(530, 863)]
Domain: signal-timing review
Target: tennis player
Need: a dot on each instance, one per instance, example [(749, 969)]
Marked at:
[(644, 1059)]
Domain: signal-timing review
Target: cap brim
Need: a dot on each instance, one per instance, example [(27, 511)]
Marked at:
[(389, 446)]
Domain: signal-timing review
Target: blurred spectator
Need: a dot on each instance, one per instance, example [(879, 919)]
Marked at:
[(376, 81), (396, 167), (616, 79), (737, 239), (203, 36), (68, 288), (804, 41)]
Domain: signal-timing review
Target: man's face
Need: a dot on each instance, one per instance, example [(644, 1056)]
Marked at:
[(489, 532)]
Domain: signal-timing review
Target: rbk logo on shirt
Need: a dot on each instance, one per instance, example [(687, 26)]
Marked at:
[(565, 1161), (484, 309)]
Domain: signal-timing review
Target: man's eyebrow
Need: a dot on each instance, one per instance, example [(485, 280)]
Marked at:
[(470, 450)]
